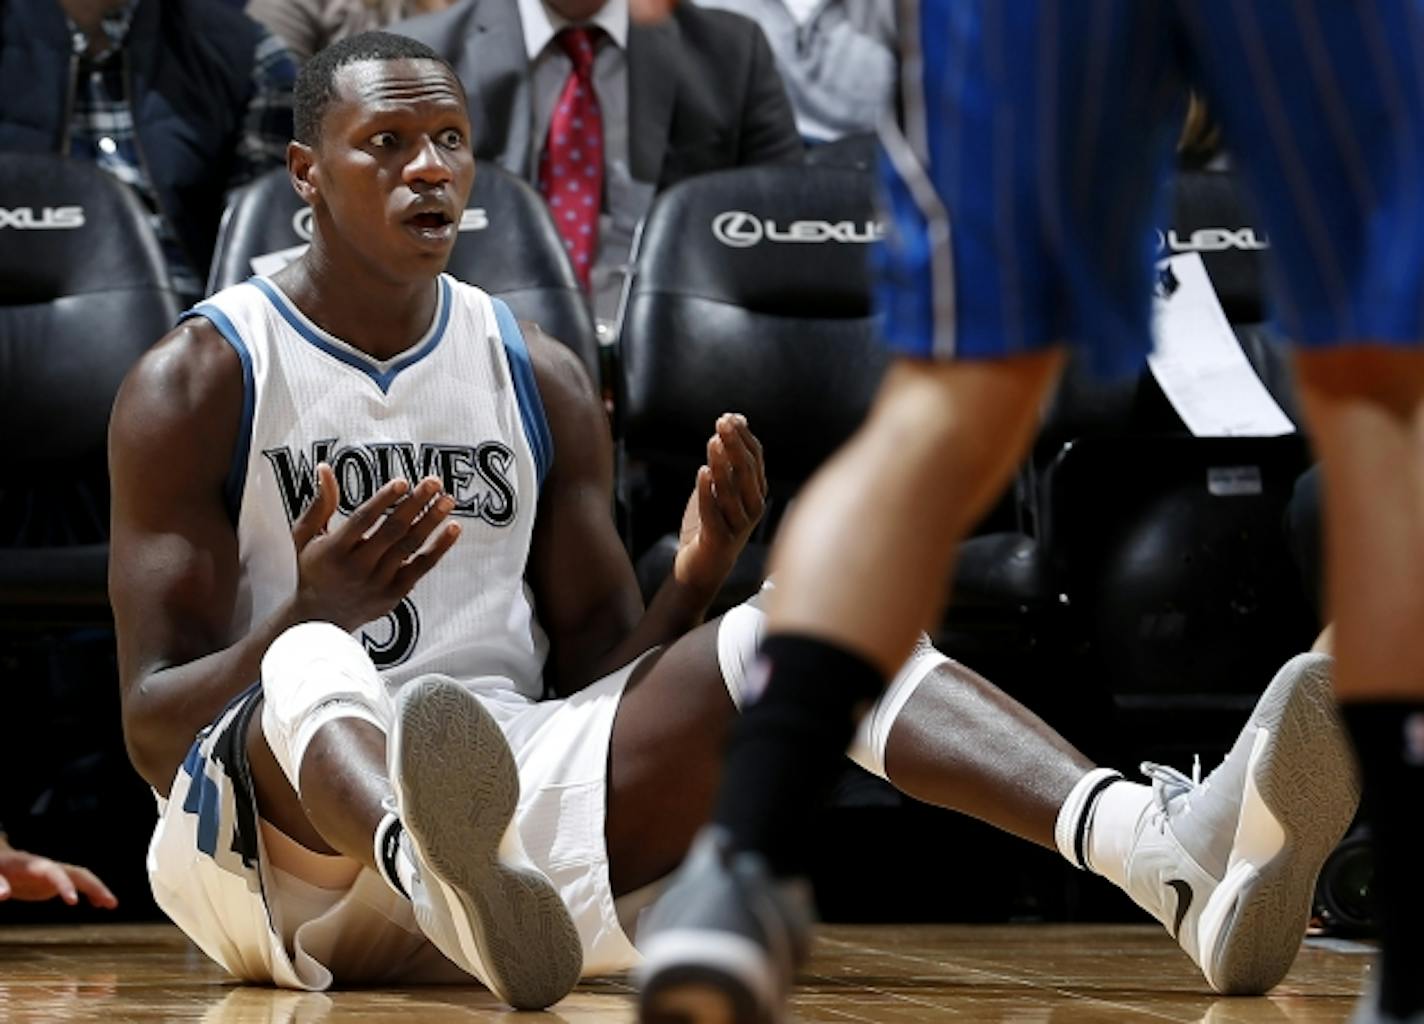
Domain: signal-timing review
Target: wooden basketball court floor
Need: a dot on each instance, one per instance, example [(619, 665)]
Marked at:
[(1009, 974)]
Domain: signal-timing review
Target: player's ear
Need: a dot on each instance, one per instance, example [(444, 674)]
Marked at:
[(301, 166)]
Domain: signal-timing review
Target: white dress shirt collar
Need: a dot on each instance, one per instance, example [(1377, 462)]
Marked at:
[(541, 24)]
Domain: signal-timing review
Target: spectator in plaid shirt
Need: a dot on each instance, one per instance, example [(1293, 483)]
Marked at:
[(182, 100)]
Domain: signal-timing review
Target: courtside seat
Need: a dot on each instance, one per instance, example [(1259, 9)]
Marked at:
[(857, 152), (1208, 215), (1168, 550), (83, 292), (749, 293), (507, 245), (1173, 560)]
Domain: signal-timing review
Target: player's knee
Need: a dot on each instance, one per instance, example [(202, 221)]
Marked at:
[(300, 645), (312, 674)]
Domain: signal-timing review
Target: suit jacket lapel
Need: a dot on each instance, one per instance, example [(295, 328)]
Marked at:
[(494, 62), (652, 91)]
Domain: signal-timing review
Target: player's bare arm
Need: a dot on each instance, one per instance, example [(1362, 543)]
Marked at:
[(173, 571), (586, 590)]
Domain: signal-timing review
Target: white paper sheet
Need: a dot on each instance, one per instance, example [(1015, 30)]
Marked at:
[(1199, 363)]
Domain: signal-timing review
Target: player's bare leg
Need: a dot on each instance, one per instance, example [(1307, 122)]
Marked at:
[(1366, 411)]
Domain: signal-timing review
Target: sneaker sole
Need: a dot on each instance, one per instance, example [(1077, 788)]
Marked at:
[(692, 977), (459, 787), (1301, 794)]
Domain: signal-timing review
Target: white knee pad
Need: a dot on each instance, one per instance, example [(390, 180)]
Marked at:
[(868, 747), (315, 673), (738, 638)]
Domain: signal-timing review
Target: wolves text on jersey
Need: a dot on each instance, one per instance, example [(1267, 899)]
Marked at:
[(478, 477)]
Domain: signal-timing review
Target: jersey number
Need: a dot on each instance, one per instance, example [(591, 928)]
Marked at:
[(400, 638)]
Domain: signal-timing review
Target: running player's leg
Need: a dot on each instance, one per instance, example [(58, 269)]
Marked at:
[(1324, 103), (1366, 412)]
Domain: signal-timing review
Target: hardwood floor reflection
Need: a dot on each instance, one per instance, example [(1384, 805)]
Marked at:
[(1020, 974)]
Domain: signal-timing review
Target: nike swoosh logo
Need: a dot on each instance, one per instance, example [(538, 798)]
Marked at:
[(1184, 903)]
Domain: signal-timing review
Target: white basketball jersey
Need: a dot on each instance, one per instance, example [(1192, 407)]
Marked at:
[(460, 404)]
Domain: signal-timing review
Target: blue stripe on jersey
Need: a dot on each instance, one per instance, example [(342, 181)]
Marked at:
[(236, 481), (382, 378), (526, 388), (203, 800)]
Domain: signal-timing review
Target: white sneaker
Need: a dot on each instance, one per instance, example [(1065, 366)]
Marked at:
[(1228, 865), (476, 894)]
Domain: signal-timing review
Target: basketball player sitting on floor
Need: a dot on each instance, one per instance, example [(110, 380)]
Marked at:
[(361, 524)]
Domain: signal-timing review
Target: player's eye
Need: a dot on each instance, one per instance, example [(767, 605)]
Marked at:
[(383, 140), (452, 138)]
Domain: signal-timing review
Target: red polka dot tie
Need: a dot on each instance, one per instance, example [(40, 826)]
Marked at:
[(571, 168)]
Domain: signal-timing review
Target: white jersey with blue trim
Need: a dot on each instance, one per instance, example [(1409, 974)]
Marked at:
[(460, 404)]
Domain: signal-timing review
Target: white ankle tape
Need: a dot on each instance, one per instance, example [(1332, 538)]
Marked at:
[(1070, 830)]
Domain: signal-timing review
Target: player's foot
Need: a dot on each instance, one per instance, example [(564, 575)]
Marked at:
[(722, 944), (476, 895), (1229, 865)]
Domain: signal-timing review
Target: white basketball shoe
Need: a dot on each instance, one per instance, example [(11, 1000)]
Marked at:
[(476, 895), (1228, 865)]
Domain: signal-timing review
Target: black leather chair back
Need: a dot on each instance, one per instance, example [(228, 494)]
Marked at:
[(507, 245), (854, 152), (83, 293), (1171, 552), (1209, 215), (751, 292)]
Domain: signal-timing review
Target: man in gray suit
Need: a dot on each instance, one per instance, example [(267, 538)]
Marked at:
[(556, 84)]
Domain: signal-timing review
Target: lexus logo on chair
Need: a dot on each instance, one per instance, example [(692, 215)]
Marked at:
[(47, 218), (473, 219), (1211, 240), (741, 230)]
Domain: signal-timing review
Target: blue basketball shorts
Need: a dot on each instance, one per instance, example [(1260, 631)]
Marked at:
[(1023, 173)]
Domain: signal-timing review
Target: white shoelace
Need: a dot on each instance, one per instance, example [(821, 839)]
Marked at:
[(1168, 784)]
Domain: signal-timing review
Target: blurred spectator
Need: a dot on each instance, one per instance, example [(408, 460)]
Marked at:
[(182, 100), (837, 58), (307, 26), (600, 114), (28, 876)]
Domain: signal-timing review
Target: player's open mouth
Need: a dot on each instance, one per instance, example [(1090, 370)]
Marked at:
[(432, 225)]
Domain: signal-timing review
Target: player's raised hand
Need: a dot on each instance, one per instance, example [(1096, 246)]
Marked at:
[(359, 570), (725, 506)]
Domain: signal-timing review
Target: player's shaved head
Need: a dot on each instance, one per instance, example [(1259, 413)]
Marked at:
[(317, 84)]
